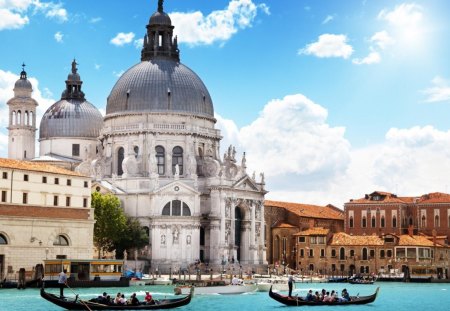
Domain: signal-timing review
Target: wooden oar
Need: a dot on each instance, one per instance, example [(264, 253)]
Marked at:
[(87, 307)]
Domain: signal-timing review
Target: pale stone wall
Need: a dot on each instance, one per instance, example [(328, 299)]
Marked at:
[(63, 147)]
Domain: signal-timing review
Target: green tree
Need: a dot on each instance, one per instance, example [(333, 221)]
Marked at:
[(134, 237), (110, 222)]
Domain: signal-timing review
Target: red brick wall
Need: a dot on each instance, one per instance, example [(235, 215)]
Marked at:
[(44, 212)]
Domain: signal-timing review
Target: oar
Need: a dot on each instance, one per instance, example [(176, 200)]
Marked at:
[(87, 307)]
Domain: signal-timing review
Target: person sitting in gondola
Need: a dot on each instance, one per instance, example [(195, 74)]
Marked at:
[(122, 300), (117, 299), (148, 298), (310, 296), (345, 296), (134, 301)]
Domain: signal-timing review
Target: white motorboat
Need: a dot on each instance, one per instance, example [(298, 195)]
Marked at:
[(264, 286), (217, 289), (156, 281)]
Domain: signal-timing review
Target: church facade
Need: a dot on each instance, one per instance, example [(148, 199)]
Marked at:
[(158, 150)]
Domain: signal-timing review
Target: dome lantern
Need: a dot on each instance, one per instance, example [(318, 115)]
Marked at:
[(159, 40)]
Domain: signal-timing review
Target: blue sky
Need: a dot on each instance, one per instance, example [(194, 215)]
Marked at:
[(331, 99)]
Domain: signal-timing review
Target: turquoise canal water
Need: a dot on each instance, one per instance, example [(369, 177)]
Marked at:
[(392, 296)]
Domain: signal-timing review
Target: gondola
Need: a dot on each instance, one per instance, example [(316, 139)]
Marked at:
[(79, 304), (300, 301), (361, 281)]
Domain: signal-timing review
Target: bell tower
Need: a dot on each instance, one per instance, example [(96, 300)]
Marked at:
[(22, 120)]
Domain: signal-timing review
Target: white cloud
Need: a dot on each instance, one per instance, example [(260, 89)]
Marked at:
[(194, 28), (11, 20), (373, 58), (327, 19), (95, 20), (59, 37), (382, 39), (139, 43), (329, 45), (122, 38), (97, 66), (7, 81), (439, 91), (405, 14), (13, 13), (118, 74)]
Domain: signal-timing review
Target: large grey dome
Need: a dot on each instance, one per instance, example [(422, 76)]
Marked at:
[(73, 115), (160, 85), (71, 118)]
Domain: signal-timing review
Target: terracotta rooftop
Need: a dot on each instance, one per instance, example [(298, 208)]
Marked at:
[(283, 225), (37, 167), (386, 197), (415, 240), (435, 197), (314, 231), (344, 239), (306, 210)]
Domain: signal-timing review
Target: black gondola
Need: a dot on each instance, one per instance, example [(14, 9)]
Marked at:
[(361, 281), (296, 301), (78, 304)]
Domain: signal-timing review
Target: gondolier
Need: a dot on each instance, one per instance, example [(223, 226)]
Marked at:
[(62, 282), (290, 284)]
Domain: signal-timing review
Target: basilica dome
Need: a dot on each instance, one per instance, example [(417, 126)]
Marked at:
[(73, 115), (160, 83)]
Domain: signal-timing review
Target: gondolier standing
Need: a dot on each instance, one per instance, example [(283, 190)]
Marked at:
[(290, 284), (62, 282)]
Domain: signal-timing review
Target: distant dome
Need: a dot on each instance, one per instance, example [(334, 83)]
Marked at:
[(71, 118), (23, 84), (73, 115), (160, 85), (160, 18)]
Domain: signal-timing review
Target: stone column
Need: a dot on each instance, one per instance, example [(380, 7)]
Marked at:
[(214, 256)]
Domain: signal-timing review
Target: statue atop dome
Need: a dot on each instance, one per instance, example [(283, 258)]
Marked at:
[(160, 6), (74, 66)]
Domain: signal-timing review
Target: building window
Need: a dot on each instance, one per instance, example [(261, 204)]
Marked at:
[(85, 202), (352, 253), (383, 222), (364, 254), (372, 253), (333, 267), (342, 267), (120, 157), (176, 208), (67, 201), (364, 222), (86, 184), (311, 267), (4, 194), (302, 252), (44, 179), (302, 239), (333, 253), (3, 239), (389, 253), (394, 222), (69, 182), (322, 252), (5, 175), (374, 222), (311, 253), (177, 158), (351, 221), (342, 253), (56, 181), (61, 241), (55, 200), (381, 253), (25, 198), (76, 150), (160, 160), (423, 222), (25, 177), (436, 221)]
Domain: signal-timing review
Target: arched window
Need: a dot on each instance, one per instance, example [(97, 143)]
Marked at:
[(27, 118), (174, 208), (394, 222), (31, 119), (364, 254), (342, 253), (352, 253), (389, 253), (61, 241), (364, 222), (361, 269), (383, 222), (177, 158), (351, 221), (333, 253), (120, 157), (423, 222), (3, 239), (311, 267), (14, 118), (19, 117), (374, 222), (136, 151), (436, 221), (160, 160)]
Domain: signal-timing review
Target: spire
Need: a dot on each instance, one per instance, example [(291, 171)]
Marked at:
[(73, 84), (23, 74), (159, 41)]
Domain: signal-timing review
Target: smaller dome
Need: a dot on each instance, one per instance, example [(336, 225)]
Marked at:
[(73, 77), (160, 18), (23, 84)]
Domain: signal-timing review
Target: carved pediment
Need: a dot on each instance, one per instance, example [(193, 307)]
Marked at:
[(246, 183), (177, 187)]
